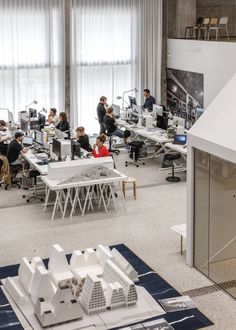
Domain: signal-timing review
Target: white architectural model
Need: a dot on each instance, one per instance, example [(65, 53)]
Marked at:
[(94, 281)]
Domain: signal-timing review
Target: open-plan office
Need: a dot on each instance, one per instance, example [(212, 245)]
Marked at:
[(117, 164)]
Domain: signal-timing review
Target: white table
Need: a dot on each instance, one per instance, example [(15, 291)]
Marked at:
[(68, 192), (33, 160), (179, 148), (155, 134)]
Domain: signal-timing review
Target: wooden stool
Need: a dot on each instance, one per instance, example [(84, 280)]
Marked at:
[(129, 180)]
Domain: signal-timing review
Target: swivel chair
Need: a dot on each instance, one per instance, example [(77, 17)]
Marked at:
[(170, 158), (14, 170)]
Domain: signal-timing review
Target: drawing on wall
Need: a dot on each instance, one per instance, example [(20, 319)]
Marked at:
[(185, 92)]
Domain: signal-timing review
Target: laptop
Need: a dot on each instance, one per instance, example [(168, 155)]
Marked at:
[(180, 139), (28, 141)]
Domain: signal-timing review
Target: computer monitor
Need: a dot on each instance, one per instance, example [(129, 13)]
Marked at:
[(180, 139), (157, 110), (24, 125), (137, 109), (162, 122), (41, 120), (32, 113), (28, 140), (75, 149), (56, 148), (178, 121), (132, 100), (116, 110), (38, 136)]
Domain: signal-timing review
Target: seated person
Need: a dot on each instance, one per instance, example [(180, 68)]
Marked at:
[(3, 126), (99, 150), (53, 117), (149, 100), (111, 125), (63, 124), (15, 149), (83, 139)]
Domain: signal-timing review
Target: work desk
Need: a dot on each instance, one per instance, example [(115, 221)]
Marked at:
[(176, 147)]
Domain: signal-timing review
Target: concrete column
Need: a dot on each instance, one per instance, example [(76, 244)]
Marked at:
[(185, 16), (67, 55)]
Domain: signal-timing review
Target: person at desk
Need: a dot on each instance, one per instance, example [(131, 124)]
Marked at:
[(149, 100), (99, 150), (63, 124), (53, 118), (101, 112), (83, 139), (3, 126), (15, 149), (110, 124)]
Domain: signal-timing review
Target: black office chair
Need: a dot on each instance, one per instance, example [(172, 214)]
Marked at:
[(110, 139), (170, 159), (134, 153), (14, 170), (32, 174), (3, 149)]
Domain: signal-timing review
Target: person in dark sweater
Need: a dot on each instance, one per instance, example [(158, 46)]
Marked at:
[(63, 125), (15, 149), (149, 100), (101, 111), (83, 139), (111, 125)]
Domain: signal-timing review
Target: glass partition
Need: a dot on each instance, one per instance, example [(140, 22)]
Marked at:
[(215, 219)]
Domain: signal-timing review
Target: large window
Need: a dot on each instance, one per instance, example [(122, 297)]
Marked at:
[(102, 55), (32, 53)]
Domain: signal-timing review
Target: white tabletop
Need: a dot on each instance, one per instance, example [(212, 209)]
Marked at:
[(177, 147), (55, 184), (33, 160)]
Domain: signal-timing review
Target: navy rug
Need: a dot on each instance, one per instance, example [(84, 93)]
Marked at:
[(159, 289)]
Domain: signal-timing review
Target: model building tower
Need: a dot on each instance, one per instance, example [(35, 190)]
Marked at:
[(92, 296), (115, 296), (113, 274)]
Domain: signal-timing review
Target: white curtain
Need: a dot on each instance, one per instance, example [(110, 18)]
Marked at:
[(32, 53), (116, 46)]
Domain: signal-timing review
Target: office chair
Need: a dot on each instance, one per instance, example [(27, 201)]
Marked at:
[(33, 175), (170, 158), (135, 149), (110, 140), (14, 170)]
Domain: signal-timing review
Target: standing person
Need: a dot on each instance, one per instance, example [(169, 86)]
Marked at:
[(15, 149), (111, 125), (149, 100), (83, 139), (53, 118), (101, 111), (99, 150)]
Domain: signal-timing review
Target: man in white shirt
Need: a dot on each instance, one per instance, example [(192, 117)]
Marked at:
[(53, 118)]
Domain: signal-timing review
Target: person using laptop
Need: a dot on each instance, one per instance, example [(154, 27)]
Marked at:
[(15, 149), (111, 125), (83, 139), (101, 112), (53, 118), (149, 100)]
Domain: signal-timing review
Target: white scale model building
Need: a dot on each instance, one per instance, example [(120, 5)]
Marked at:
[(94, 281)]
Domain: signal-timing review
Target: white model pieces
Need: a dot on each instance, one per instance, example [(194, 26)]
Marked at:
[(93, 282)]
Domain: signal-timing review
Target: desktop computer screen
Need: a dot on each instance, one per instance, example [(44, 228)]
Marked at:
[(178, 121), (116, 110), (38, 136), (24, 125), (132, 100), (32, 113), (162, 122), (56, 148), (137, 109), (41, 120), (75, 149), (157, 110), (28, 140)]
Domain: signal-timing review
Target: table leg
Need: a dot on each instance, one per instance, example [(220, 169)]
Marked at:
[(47, 192), (66, 203), (181, 245), (122, 196), (55, 205), (103, 200)]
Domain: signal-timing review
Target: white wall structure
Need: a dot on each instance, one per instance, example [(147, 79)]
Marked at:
[(214, 133), (216, 60)]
